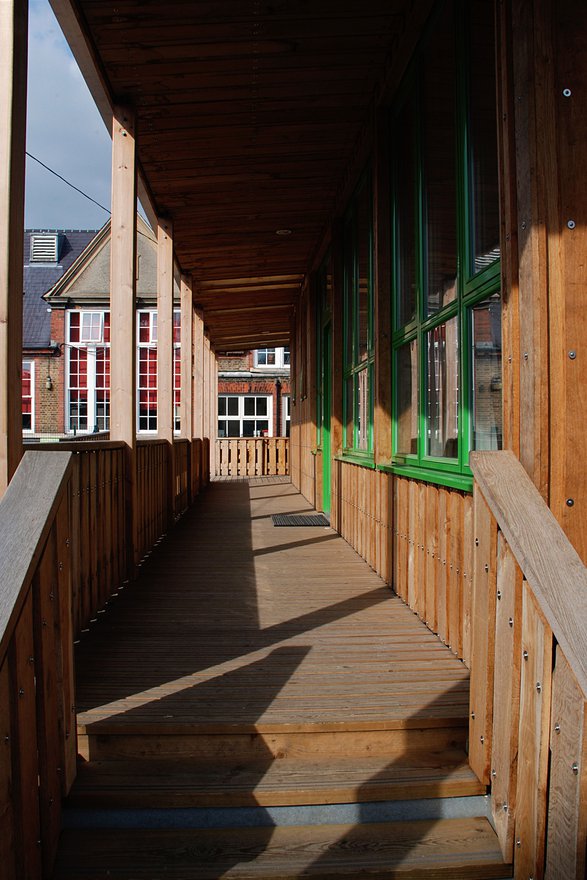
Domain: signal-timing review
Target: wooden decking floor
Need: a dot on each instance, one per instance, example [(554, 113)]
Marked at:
[(236, 623)]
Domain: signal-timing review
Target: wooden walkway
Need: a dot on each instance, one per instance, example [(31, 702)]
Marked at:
[(236, 623)]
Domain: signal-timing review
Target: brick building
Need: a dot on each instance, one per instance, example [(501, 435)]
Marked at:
[(254, 393)]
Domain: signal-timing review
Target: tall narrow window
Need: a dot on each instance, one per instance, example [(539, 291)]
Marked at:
[(446, 282), (88, 371), (28, 396), (359, 349)]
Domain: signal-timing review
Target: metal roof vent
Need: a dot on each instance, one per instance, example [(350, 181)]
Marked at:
[(44, 247)]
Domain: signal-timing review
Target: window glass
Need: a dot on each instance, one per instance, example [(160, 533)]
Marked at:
[(222, 406), (349, 412), (442, 390), (363, 410), (487, 373), (407, 398), (349, 288), (27, 395), (363, 233), (406, 213), (249, 408), (232, 406), (483, 138), (439, 165)]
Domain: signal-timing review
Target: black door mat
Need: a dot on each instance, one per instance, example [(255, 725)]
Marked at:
[(296, 519)]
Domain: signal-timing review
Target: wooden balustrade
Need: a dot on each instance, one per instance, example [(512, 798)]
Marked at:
[(37, 718), (527, 733), (62, 546), (252, 457)]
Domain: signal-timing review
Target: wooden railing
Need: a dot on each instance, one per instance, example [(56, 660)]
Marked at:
[(528, 673), (37, 714), (63, 532), (254, 457)]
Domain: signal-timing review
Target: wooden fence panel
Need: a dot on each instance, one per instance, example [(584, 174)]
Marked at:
[(7, 782), (567, 810), (252, 457)]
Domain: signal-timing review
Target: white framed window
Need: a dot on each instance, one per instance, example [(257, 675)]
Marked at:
[(245, 415), (28, 396), (272, 357), (147, 370), (285, 415), (88, 371)]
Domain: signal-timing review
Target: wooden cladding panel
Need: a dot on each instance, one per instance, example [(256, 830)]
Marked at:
[(567, 809), (362, 499), (535, 695), (506, 696), (432, 560)]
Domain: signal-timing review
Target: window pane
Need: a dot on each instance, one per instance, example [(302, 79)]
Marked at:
[(232, 406), (261, 406), (407, 399), (364, 268), (438, 160), (74, 326), (262, 427), (222, 428), (349, 412), (349, 286), (487, 375), (248, 427), (222, 406), (442, 393), (483, 137), (233, 429), (144, 327), (286, 357), (406, 214), (363, 409), (249, 403)]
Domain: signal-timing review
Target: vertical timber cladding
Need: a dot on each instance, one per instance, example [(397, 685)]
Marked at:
[(565, 163), (543, 181)]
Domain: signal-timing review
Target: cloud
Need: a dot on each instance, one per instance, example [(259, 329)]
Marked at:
[(65, 131)]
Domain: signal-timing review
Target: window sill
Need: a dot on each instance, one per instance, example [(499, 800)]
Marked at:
[(355, 458), (462, 482)]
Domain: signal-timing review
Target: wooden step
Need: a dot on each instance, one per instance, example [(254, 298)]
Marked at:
[(105, 742), (178, 783), (459, 849)]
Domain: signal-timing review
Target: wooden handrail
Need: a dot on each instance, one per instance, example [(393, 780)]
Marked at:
[(528, 711), (547, 559), (27, 510)]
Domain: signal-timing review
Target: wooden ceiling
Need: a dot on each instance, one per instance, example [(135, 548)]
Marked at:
[(248, 113)]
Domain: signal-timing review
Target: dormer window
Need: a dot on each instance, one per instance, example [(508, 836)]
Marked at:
[(44, 247)]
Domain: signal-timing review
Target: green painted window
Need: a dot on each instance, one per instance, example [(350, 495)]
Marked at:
[(446, 259), (358, 322)]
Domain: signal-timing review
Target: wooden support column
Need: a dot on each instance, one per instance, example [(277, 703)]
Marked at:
[(187, 359), (382, 294), (123, 262), (198, 373), (13, 84), (165, 404), (213, 403)]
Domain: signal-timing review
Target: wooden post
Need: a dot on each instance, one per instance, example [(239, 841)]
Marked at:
[(13, 80), (165, 405), (187, 357), (198, 373), (123, 261)]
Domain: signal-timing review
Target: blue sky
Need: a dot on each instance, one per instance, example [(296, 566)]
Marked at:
[(65, 131)]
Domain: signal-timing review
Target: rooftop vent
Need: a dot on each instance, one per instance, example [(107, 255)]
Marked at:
[(44, 247)]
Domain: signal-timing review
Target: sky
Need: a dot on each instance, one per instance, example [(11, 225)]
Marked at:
[(64, 131)]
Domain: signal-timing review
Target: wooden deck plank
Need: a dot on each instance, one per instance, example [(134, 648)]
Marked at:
[(235, 622), (450, 848)]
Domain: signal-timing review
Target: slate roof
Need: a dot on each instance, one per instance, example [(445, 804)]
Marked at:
[(40, 277)]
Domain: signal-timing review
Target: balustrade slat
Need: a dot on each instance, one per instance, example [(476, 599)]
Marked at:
[(567, 810), (441, 574), (49, 711), (483, 638), (65, 659), (506, 696), (7, 818), (535, 696), (25, 792)]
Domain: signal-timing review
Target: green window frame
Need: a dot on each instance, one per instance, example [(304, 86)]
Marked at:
[(358, 323), (446, 333)]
